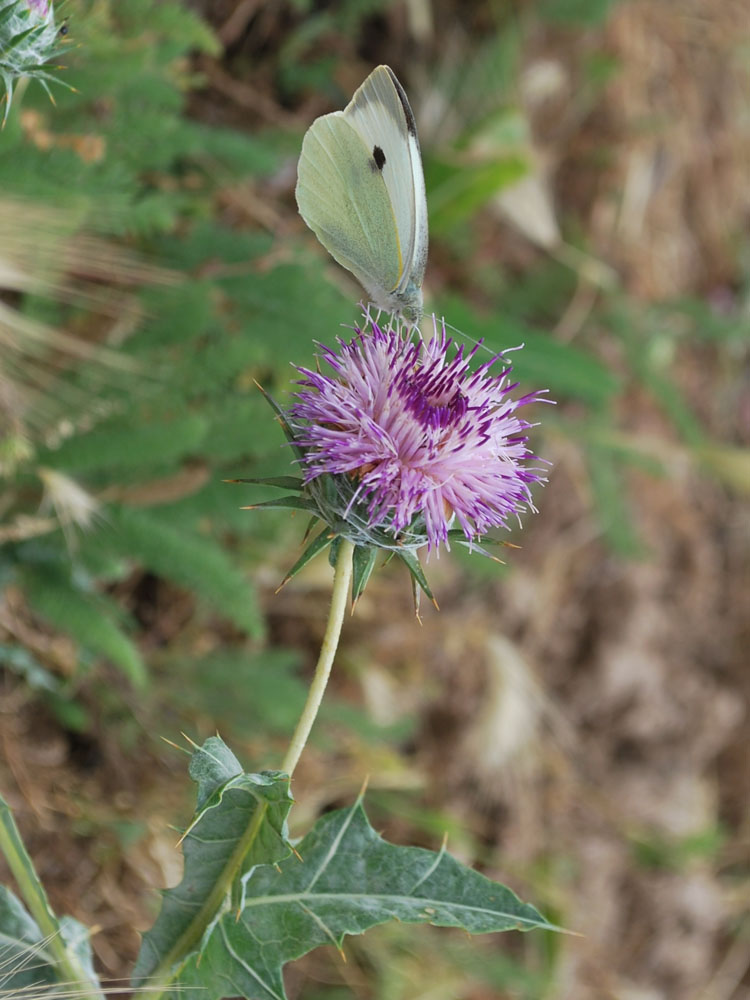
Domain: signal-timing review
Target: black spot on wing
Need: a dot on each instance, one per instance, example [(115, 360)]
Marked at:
[(379, 157)]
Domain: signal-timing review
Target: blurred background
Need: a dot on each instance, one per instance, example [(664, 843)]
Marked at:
[(576, 720)]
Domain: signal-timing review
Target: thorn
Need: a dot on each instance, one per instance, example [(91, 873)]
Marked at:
[(435, 603), (283, 584), (511, 545), (192, 743), (342, 953), (174, 745), (250, 506), (297, 855), (363, 789)]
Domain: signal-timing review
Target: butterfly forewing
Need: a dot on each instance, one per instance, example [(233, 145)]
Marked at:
[(381, 114)]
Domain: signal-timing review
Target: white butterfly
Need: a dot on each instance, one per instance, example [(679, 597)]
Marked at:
[(360, 188)]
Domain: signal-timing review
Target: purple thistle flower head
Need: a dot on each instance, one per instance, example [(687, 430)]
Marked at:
[(415, 438)]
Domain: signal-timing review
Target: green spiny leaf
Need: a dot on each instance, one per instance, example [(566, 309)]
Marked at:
[(316, 545), (240, 824), (26, 962), (285, 503), (343, 880), (411, 561), (284, 423), (42, 950), (363, 563), (283, 482)]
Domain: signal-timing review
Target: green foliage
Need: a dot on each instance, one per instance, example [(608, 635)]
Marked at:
[(253, 693), (346, 880), (677, 853), (342, 879), (304, 59), (89, 618), (38, 949), (200, 564), (148, 442), (576, 12), (28, 965), (240, 824), (116, 445)]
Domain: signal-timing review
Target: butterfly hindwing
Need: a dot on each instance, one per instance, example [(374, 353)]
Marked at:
[(343, 198)]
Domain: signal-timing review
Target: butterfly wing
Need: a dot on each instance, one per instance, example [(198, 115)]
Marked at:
[(343, 197), (382, 117)]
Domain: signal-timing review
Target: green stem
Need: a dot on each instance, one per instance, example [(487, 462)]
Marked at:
[(339, 597), (67, 966), (182, 948)]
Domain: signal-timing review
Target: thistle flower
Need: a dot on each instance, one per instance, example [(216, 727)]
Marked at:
[(29, 39), (404, 443), (416, 437)]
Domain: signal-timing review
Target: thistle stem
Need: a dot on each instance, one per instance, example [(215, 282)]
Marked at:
[(180, 951), (69, 969), (341, 580)]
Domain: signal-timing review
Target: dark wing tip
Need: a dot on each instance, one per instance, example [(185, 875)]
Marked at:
[(408, 113)]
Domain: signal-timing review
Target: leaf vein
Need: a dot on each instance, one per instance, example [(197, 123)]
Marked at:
[(320, 922), (251, 972), (426, 874), (333, 849), (395, 898)]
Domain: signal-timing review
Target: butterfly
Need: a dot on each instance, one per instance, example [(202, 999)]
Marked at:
[(360, 188)]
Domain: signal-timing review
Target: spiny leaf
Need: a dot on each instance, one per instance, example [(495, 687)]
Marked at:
[(283, 482), (28, 967), (363, 563), (30, 956), (343, 880), (284, 423), (284, 503), (412, 563), (25, 961), (317, 545), (216, 850)]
